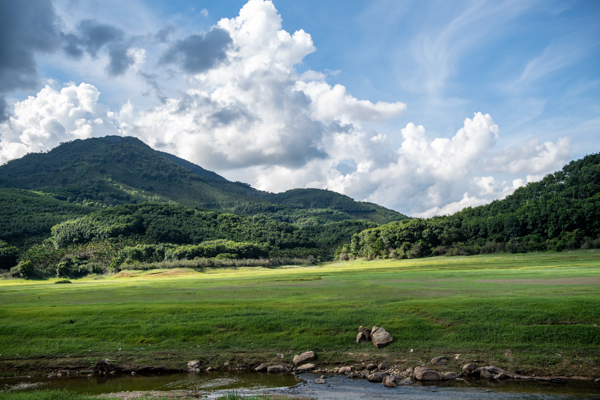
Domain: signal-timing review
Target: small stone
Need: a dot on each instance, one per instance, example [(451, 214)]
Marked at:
[(371, 367), (380, 337), (363, 336), (449, 376), (382, 367), (424, 374), (345, 370), (440, 361), (406, 381), (320, 381), (261, 368), (304, 358), (469, 368), (376, 377), (209, 369), (226, 363), (485, 374), (389, 381), (112, 372), (132, 372), (305, 367), (322, 376), (277, 368), (51, 376), (597, 380), (89, 376)]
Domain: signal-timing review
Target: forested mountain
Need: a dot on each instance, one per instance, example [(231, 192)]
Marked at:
[(114, 170), (562, 211)]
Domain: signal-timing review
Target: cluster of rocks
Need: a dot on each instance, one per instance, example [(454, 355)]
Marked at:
[(379, 336)]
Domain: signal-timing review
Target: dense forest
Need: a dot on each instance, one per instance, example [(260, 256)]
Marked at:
[(107, 204), (560, 212)]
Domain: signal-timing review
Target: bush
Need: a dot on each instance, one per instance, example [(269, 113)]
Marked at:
[(24, 269), (63, 281), (8, 255)]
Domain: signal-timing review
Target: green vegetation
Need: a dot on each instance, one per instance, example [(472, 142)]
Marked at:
[(542, 308), (560, 212), (45, 395)]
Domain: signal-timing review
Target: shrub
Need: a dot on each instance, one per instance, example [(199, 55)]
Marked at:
[(24, 269)]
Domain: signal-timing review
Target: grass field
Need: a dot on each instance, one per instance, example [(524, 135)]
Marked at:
[(529, 312)]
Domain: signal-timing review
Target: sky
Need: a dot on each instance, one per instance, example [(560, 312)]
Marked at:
[(424, 107)]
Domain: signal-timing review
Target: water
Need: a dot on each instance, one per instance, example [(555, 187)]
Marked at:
[(337, 387)]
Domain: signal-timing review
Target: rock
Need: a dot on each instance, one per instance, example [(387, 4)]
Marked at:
[(212, 369), (194, 366), (377, 377), (363, 336), (305, 367), (320, 381), (344, 370), (449, 376), (389, 381), (424, 374), (112, 372), (469, 368), (382, 367), (132, 372), (441, 361), (597, 380), (371, 367), (304, 358), (406, 381), (502, 375), (226, 363), (51, 376), (380, 337), (485, 374), (261, 368), (277, 368)]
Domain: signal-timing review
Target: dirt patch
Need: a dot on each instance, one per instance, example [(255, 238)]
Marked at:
[(127, 274), (592, 280), (171, 272)]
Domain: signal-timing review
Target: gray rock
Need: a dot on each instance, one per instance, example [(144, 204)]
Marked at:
[(377, 377), (320, 381), (485, 374), (382, 367), (304, 358), (469, 368), (440, 361), (389, 381), (344, 370), (371, 367), (380, 337), (449, 376), (261, 368), (305, 367), (363, 336), (424, 374), (502, 375), (276, 368), (597, 380), (193, 366), (406, 381)]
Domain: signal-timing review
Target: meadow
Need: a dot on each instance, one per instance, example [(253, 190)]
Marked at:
[(530, 313)]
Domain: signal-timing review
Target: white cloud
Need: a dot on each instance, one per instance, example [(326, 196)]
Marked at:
[(42, 122), (531, 158)]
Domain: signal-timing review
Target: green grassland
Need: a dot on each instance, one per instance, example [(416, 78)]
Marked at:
[(535, 312)]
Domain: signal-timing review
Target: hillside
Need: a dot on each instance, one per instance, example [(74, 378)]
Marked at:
[(114, 170), (562, 211)]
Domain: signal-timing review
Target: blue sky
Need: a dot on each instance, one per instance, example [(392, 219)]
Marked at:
[(422, 106)]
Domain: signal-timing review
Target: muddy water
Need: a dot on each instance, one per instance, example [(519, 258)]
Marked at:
[(337, 387), (182, 381)]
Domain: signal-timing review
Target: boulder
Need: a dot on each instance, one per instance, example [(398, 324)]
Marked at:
[(449, 376), (406, 381), (345, 370), (193, 366), (440, 361), (304, 358), (469, 368), (485, 374), (276, 368), (371, 367), (377, 377), (382, 367), (261, 368), (320, 381), (389, 381), (380, 337), (424, 374), (305, 367), (363, 336)]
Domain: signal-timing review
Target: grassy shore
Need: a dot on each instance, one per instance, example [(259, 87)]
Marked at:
[(529, 313)]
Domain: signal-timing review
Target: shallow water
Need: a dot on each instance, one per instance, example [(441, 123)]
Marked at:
[(181, 381), (337, 387)]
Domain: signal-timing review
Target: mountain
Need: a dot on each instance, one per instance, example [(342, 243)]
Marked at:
[(560, 212), (114, 170)]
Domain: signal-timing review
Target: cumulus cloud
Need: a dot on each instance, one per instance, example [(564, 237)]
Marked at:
[(19, 43), (42, 122), (531, 158)]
